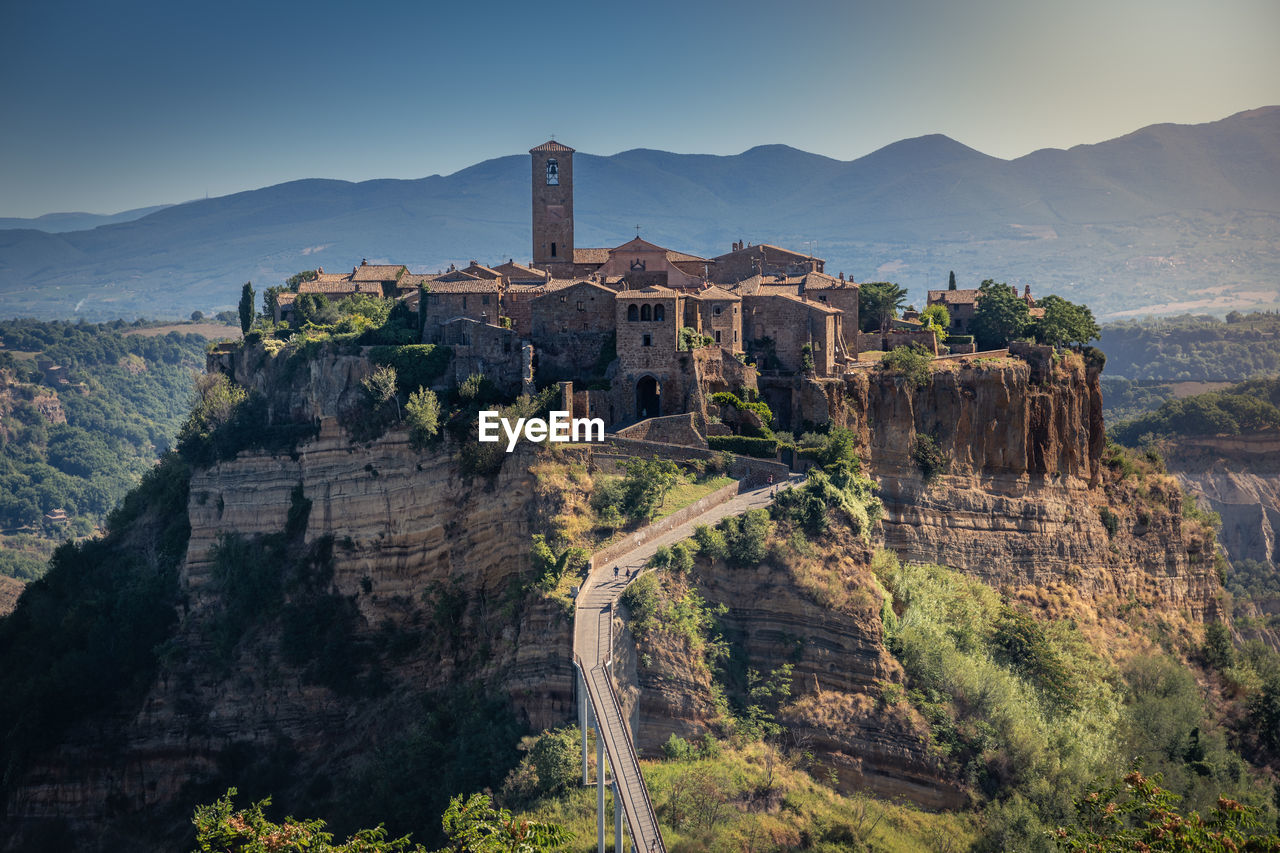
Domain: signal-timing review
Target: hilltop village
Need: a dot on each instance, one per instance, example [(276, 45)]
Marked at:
[(677, 325)]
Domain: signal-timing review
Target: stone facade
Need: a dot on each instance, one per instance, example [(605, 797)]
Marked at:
[(486, 349), (745, 261), (778, 327), (476, 300), (552, 205)]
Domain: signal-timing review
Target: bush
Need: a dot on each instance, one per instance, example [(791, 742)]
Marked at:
[(912, 363), (711, 542), (423, 410), (745, 537), (1217, 649), (761, 448), (416, 365), (931, 459), (1110, 521)]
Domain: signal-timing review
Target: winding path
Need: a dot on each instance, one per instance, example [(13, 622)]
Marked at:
[(592, 651)]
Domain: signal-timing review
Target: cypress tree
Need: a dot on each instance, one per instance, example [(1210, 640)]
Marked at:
[(951, 283), (246, 307)]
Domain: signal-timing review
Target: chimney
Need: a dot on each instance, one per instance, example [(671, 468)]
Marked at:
[(364, 262)]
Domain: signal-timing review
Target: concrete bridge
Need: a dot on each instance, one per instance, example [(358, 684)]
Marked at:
[(599, 706)]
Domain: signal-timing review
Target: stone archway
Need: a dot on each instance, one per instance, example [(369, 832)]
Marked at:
[(648, 398)]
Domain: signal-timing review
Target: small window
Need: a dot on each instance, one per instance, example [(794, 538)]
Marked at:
[(564, 297), (646, 313), (735, 336), (717, 336), (553, 250), (464, 303), (633, 313), (659, 312), (717, 310), (647, 341), (581, 305)]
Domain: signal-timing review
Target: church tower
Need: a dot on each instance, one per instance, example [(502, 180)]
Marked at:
[(552, 205)]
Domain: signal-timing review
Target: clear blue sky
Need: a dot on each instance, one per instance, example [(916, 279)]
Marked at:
[(113, 105)]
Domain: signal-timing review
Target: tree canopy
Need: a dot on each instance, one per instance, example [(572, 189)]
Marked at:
[(879, 302), (1064, 323), (1000, 316)]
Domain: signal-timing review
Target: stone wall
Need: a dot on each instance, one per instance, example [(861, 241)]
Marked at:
[(671, 429)]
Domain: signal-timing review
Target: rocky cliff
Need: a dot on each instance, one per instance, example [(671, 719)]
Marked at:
[(430, 565)]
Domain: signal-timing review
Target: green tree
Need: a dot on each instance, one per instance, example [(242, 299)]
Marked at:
[(646, 485), (1001, 315), (1064, 323), (938, 318), (197, 316), (473, 825), (220, 828), (246, 307), (423, 410), (1137, 814), (879, 303), (381, 386), (951, 281)]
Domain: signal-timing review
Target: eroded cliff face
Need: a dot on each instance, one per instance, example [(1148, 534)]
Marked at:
[(1026, 501), (435, 564), (1022, 498)]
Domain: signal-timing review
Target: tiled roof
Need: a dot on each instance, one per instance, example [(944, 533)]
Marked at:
[(590, 256), (285, 298), (653, 291), (820, 307), (467, 286), (481, 271), (822, 281), (681, 256), (714, 293), (410, 280), (552, 145), (771, 248), (377, 272), (565, 284), (341, 288), (953, 297), (519, 272), (456, 275), (333, 276)]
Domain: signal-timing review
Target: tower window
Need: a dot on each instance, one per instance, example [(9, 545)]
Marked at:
[(659, 312), (647, 341), (553, 174), (633, 313), (553, 250), (581, 306), (717, 336), (646, 313)]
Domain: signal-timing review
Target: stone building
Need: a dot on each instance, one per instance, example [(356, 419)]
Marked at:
[(572, 328), (719, 316), (647, 324), (475, 299), (779, 327), (962, 305), (745, 261), (483, 348)]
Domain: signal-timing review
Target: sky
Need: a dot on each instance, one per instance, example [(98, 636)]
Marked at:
[(109, 106)]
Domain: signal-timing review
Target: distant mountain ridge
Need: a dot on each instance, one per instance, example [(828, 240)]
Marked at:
[(1167, 218), (57, 223)]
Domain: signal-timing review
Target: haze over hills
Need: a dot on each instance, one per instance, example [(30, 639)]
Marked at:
[(1169, 218), (57, 223)]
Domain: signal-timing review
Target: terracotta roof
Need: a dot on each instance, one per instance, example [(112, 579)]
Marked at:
[(564, 284), (492, 285), (681, 256), (342, 288), (456, 275), (333, 276), (773, 248), (411, 280), (481, 271), (285, 298), (552, 145), (653, 291), (953, 297), (377, 272), (822, 281), (518, 272), (820, 307), (590, 256), (765, 286), (714, 293)]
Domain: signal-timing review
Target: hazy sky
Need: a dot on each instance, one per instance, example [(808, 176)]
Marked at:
[(113, 105)]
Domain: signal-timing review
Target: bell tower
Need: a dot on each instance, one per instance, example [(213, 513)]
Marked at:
[(552, 205)]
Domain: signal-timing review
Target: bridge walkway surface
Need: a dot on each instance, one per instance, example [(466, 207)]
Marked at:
[(592, 647)]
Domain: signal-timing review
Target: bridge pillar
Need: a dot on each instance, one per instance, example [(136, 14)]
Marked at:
[(599, 787), (617, 817), (582, 713)]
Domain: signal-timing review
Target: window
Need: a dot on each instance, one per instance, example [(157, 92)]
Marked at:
[(717, 336), (658, 312), (564, 297), (553, 250), (646, 313), (647, 341), (464, 303), (553, 176), (735, 336), (633, 313), (717, 310), (581, 306)]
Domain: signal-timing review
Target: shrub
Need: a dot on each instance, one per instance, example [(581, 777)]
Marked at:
[(745, 537), (931, 459), (912, 363), (416, 365), (1217, 649), (1110, 520), (710, 542), (423, 410), (761, 448)]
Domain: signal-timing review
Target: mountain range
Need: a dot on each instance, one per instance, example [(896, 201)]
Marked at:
[(1166, 219)]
